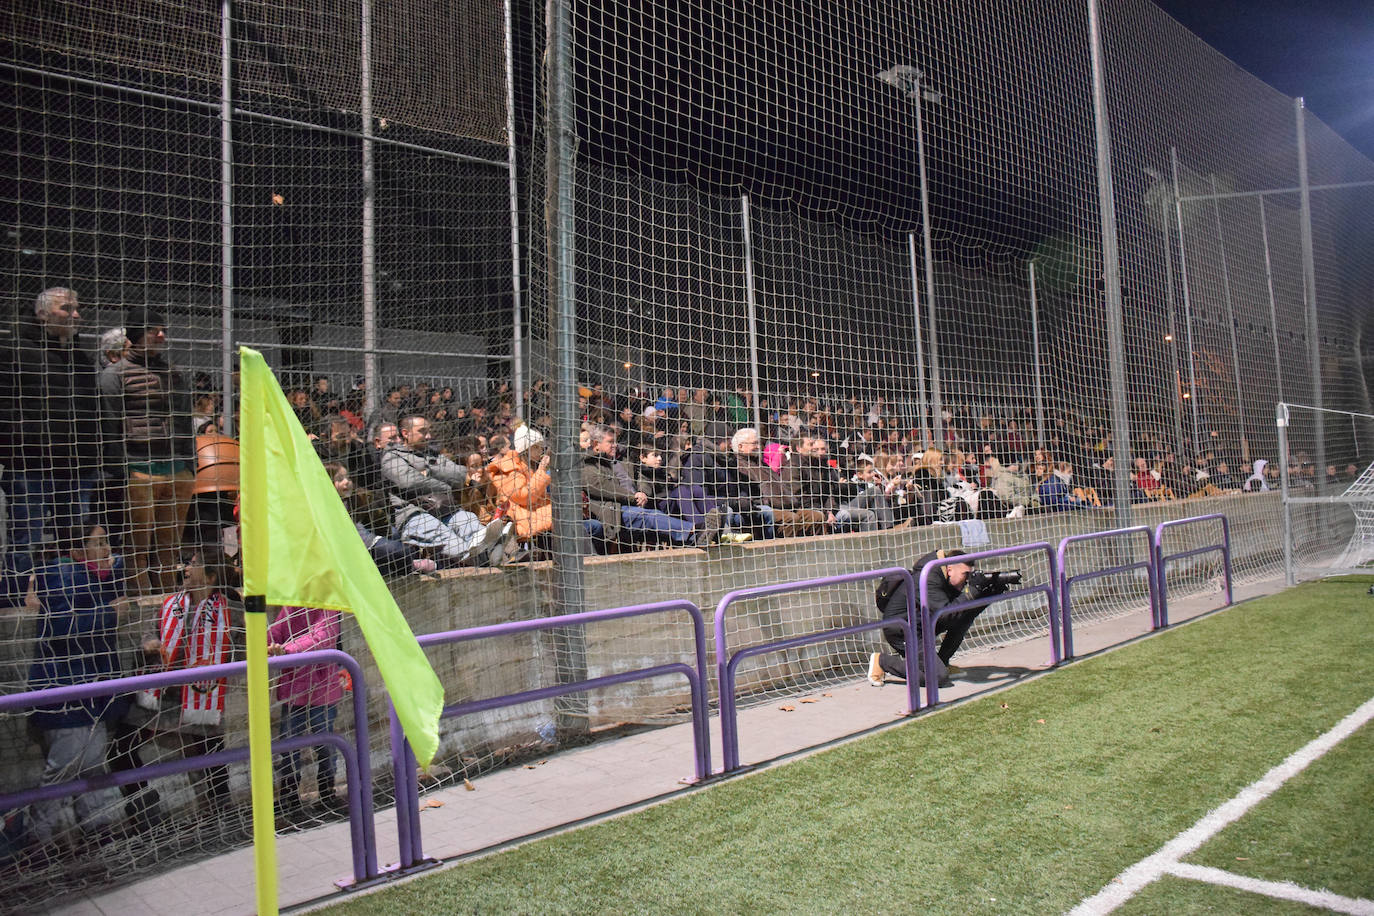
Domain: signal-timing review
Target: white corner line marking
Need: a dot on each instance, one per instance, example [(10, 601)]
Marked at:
[(1283, 890), (1127, 884)]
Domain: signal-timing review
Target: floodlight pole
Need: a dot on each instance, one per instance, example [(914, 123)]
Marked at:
[(751, 306), (1111, 273), (909, 80), (1173, 324), (1187, 297), (1231, 326), (925, 418), (1309, 278), (1035, 355), (1273, 308)]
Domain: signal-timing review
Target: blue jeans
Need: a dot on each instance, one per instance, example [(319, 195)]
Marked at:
[(41, 508), (640, 520), (309, 720)]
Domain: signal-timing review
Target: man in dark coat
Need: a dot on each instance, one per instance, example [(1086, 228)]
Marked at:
[(946, 587), (50, 436)]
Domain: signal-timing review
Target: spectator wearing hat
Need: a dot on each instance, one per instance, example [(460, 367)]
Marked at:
[(520, 474), (49, 429), (147, 413)]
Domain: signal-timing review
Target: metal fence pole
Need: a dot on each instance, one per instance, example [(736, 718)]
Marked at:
[(924, 409), (1309, 277), (369, 215), (517, 356), (1111, 269), (1282, 421), (1187, 297), (1231, 327), (1035, 355), (226, 212), (752, 306), (569, 586), (933, 338)]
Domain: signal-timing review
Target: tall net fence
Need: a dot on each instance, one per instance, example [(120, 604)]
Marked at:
[(837, 301)]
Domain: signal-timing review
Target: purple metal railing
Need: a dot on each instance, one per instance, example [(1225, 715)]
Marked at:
[(726, 663), (1066, 580), (408, 815), (1161, 558), (355, 753), (928, 620)]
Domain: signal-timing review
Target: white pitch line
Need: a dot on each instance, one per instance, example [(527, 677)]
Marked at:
[(1130, 882), (1283, 890)]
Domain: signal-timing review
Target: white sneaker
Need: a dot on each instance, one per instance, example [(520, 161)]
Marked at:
[(876, 674), (1017, 512)]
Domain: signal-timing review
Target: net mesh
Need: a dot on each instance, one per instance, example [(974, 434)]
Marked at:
[(752, 252)]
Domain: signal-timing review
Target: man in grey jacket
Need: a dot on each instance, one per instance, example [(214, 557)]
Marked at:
[(421, 484)]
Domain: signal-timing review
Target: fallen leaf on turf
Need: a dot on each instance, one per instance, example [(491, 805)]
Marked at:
[(787, 708), (432, 803), (1005, 706), (809, 700), (1040, 721), (467, 784), (1068, 807), (1242, 858), (827, 694)]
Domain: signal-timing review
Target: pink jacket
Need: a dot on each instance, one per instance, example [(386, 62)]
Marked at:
[(302, 629)]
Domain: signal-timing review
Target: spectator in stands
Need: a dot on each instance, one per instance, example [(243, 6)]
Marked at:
[(1146, 484), (779, 491), (662, 479), (203, 417), (697, 412), (846, 507), (148, 419), (193, 632), (615, 500), (50, 435), (310, 698), (667, 402), (1013, 444), (372, 517), (1053, 488), (427, 514), (1012, 487), (1221, 477), (519, 471), (113, 344), (389, 411), (76, 642), (341, 443), (367, 473)]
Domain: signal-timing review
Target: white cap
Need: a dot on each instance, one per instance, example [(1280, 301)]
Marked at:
[(525, 437)]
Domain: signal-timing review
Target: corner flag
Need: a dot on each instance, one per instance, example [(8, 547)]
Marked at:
[(301, 548)]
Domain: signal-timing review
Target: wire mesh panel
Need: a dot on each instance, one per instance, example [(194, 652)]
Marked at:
[(827, 294)]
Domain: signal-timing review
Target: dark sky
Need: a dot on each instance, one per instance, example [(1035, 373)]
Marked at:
[(1321, 50)]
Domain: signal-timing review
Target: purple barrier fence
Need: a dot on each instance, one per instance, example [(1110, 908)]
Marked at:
[(1066, 580), (928, 620), (726, 664), (1161, 558), (357, 764), (403, 759)]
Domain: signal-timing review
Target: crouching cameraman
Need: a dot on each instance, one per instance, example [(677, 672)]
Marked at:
[(949, 584)]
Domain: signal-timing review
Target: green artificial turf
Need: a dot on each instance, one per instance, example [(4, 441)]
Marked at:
[(1025, 801), (1181, 897), (1317, 831)]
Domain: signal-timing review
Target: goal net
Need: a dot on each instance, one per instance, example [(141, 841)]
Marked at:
[(1328, 491)]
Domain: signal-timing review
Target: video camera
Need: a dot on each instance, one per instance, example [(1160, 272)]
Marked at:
[(993, 581)]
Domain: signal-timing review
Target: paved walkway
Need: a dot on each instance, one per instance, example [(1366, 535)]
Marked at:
[(594, 781)]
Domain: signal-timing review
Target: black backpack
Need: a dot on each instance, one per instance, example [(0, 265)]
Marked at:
[(886, 589)]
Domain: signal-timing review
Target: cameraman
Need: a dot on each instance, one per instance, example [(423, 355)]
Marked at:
[(946, 587)]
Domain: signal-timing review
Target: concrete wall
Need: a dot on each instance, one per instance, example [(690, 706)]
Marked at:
[(466, 598)]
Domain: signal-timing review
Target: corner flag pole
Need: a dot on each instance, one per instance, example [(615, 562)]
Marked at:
[(260, 755)]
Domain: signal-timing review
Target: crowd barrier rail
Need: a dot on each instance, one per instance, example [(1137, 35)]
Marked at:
[(1162, 559), (928, 620), (410, 841), (1066, 581), (727, 663), (355, 754)]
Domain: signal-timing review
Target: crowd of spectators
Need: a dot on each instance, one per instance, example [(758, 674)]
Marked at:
[(432, 480)]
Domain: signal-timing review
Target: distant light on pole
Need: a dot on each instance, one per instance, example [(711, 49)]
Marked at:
[(1168, 338)]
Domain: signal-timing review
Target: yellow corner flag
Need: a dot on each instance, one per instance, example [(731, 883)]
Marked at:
[(300, 548)]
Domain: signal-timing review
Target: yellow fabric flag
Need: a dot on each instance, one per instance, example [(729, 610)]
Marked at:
[(301, 548)]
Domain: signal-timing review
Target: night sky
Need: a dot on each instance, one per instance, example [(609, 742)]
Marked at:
[(1322, 51)]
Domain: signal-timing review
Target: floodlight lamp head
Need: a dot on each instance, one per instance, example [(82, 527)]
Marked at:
[(909, 79)]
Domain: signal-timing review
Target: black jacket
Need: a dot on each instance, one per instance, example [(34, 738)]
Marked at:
[(49, 404), (892, 602)]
